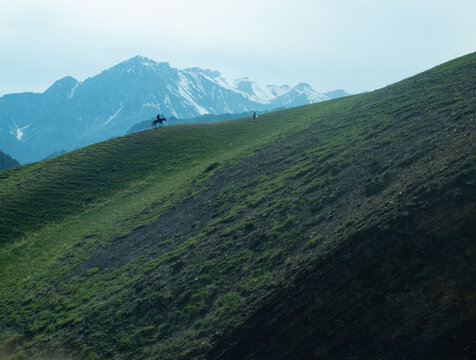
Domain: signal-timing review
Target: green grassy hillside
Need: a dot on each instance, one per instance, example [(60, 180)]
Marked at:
[(194, 241)]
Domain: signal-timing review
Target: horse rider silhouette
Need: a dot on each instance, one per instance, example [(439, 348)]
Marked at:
[(158, 121)]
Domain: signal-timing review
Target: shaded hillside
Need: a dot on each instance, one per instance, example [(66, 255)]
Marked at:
[(6, 161), (338, 230)]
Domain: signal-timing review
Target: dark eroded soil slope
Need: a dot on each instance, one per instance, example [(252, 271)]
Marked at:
[(350, 239)]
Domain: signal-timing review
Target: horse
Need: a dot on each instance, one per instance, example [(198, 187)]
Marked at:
[(158, 121)]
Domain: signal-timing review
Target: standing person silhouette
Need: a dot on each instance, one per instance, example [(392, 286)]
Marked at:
[(254, 116)]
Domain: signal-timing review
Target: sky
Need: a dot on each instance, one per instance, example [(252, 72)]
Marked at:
[(356, 45)]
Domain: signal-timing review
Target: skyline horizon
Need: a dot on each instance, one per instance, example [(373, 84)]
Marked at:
[(222, 75), (356, 46)]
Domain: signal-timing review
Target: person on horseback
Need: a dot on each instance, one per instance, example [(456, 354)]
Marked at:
[(158, 121)]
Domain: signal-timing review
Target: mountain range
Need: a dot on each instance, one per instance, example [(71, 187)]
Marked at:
[(73, 113)]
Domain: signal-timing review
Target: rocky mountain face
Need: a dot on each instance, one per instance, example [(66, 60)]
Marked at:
[(74, 113)]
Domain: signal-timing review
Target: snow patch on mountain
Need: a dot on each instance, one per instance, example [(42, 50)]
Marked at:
[(184, 90), (225, 83), (148, 63), (152, 105), (254, 91), (113, 116), (212, 74), (18, 131), (279, 90), (312, 95), (73, 90)]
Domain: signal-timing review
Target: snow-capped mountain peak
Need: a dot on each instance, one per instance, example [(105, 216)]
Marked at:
[(306, 90), (254, 90), (139, 65)]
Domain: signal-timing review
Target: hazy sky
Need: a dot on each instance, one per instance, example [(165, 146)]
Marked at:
[(356, 45)]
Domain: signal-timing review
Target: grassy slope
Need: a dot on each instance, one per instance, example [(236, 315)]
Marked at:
[(240, 205)]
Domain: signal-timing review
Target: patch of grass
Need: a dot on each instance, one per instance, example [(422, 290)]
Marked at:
[(313, 242)]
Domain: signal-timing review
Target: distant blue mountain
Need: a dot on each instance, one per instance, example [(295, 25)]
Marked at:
[(6, 161), (74, 113), (336, 94)]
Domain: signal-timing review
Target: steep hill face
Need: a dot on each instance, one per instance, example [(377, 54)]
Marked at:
[(347, 232), (72, 114)]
